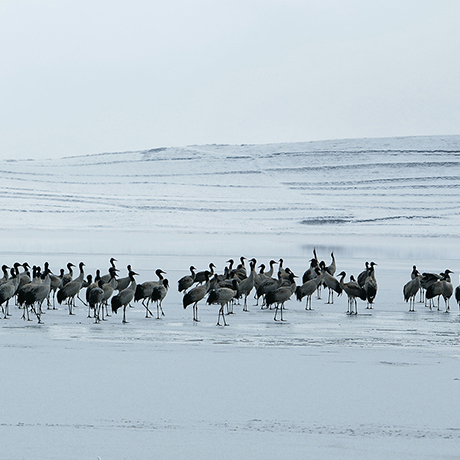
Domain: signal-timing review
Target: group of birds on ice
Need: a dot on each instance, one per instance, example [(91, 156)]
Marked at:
[(31, 290), (234, 285), (431, 286), (273, 292)]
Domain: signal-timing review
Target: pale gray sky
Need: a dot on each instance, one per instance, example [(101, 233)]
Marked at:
[(91, 76)]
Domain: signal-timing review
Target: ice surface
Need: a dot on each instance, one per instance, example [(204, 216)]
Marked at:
[(323, 385)]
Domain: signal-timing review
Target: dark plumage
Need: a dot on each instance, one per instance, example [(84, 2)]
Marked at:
[(158, 294), (353, 291), (222, 296), (308, 288), (411, 288), (187, 281), (124, 297), (195, 295)]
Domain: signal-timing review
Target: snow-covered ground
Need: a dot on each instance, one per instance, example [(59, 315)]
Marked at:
[(383, 384)]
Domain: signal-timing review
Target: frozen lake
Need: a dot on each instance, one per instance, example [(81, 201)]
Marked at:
[(323, 384)]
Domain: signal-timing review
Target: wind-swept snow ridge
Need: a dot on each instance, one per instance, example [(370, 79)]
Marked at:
[(353, 187)]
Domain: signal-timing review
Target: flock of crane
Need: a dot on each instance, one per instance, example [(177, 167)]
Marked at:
[(235, 284)]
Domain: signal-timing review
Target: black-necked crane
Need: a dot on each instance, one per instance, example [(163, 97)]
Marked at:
[(353, 291), (246, 285), (269, 285), (56, 283), (108, 289), (125, 296), (123, 283), (24, 288), (144, 291), (411, 288), (370, 286), (283, 274), (6, 274), (262, 277), (240, 270), (311, 272), (413, 275), (457, 296), (447, 289), (279, 296), (7, 291), (200, 277), (363, 275), (24, 277), (187, 281), (71, 290), (107, 277), (158, 294), (330, 282), (35, 297), (308, 288), (195, 295), (222, 296), (90, 286), (442, 287), (68, 277), (95, 297), (332, 267)]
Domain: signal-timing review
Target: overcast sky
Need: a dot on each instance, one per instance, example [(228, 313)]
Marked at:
[(83, 77)]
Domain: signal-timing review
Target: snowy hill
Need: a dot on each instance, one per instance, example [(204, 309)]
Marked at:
[(355, 188)]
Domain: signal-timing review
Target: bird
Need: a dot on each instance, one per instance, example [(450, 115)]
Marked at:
[(246, 285), (107, 277), (330, 282), (24, 277), (240, 270), (222, 296), (457, 296), (282, 272), (144, 291), (370, 286), (90, 285), (187, 281), (413, 275), (123, 283), (279, 296), (7, 291), (70, 290), (56, 283), (95, 298), (332, 267), (269, 285), (265, 275), (6, 274), (311, 272), (363, 275), (108, 289), (38, 293), (125, 296), (200, 277), (195, 295), (443, 287), (68, 276), (158, 294), (24, 288), (353, 290), (308, 288), (447, 289), (411, 288)]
